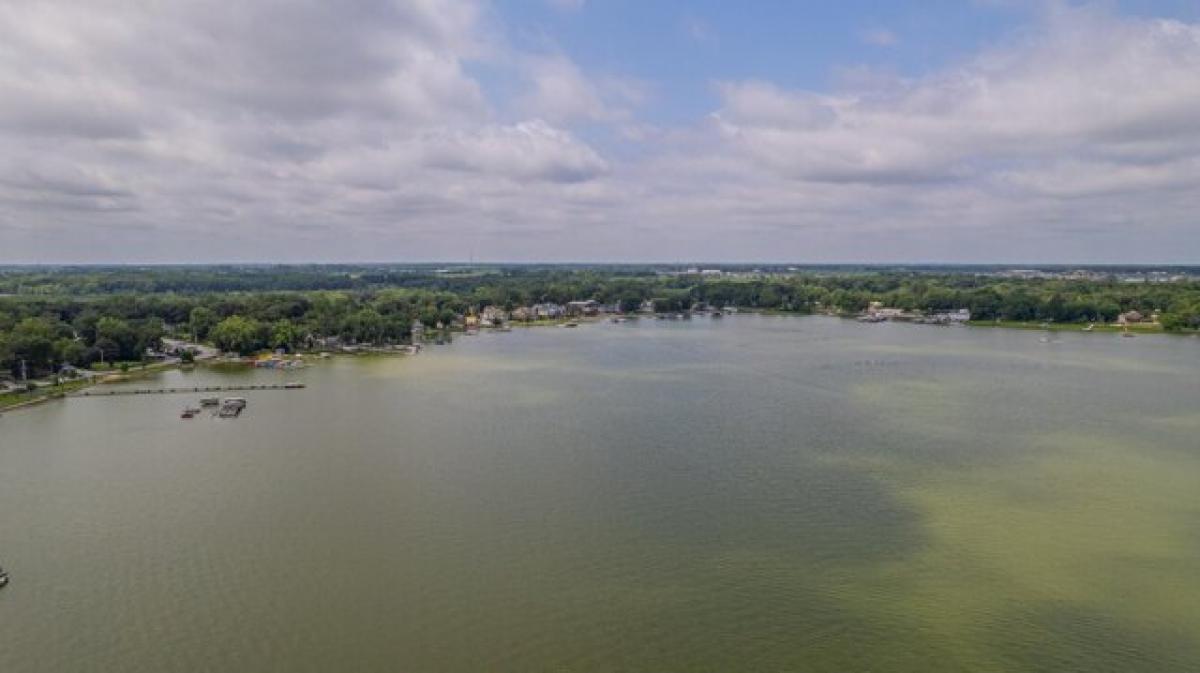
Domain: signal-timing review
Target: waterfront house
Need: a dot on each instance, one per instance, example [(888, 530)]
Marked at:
[(1129, 317), (492, 315), (547, 311), (959, 317), (522, 313), (877, 312), (326, 342), (585, 307)]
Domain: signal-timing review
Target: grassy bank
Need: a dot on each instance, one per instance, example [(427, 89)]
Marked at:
[(41, 394), (16, 400)]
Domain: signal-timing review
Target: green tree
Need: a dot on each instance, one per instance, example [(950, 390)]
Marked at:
[(32, 342), (120, 341), (284, 335), (200, 322), (238, 335), (71, 351)]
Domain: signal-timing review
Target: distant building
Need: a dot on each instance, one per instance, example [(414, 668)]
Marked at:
[(585, 307), (1129, 317), (960, 316), (418, 332), (548, 311), (877, 312), (492, 314)]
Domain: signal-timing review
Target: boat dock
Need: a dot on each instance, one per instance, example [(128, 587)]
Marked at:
[(197, 389)]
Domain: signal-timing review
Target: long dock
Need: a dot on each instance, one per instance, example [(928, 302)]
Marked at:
[(197, 389)]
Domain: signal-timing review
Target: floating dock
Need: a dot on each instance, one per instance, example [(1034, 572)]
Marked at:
[(197, 389)]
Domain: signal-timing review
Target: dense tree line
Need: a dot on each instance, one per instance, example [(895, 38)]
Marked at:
[(81, 316)]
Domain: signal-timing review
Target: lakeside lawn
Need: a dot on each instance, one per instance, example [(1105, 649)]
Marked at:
[(11, 399)]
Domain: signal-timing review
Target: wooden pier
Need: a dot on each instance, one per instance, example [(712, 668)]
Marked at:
[(196, 389)]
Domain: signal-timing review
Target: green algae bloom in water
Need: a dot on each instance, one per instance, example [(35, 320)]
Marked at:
[(749, 494)]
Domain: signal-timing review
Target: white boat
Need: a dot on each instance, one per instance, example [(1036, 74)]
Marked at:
[(3, 577), (232, 407)]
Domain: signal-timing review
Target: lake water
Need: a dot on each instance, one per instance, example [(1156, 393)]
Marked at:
[(751, 494)]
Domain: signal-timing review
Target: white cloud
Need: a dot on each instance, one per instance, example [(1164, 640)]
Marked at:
[(561, 92), (1086, 86), (529, 150), (266, 130), (288, 121)]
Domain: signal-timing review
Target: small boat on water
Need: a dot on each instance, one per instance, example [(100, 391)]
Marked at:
[(190, 412), (232, 407), (210, 402), (293, 385), (3, 578), (1090, 327)]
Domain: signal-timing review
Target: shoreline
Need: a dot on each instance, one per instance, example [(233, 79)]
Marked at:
[(71, 387)]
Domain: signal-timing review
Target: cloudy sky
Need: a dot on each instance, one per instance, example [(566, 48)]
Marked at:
[(599, 130)]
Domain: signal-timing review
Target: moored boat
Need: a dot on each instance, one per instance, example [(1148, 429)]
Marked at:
[(232, 407)]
